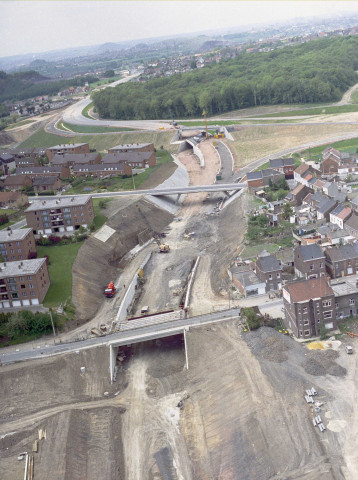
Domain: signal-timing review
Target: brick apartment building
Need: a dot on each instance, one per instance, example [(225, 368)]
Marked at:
[(62, 171), (133, 159), (43, 184), (310, 261), (262, 178), (17, 182), (17, 244), (23, 283), (342, 260), (67, 148), (59, 214), (269, 270), (309, 305), (132, 147), (102, 170), (72, 159)]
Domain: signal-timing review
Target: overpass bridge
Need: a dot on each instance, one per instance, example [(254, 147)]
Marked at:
[(151, 331), (158, 192)]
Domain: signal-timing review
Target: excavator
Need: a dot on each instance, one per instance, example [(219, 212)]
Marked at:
[(163, 247)]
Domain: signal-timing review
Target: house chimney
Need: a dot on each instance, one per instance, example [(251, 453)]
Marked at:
[(19, 266)]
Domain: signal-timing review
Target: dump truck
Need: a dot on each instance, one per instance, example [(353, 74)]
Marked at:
[(110, 290)]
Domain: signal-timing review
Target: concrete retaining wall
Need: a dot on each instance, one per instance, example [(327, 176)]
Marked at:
[(129, 295)]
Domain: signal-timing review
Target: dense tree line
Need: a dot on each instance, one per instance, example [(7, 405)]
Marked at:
[(21, 85), (316, 71)]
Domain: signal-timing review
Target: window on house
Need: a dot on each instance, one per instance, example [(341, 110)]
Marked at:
[(32, 294), (305, 309), (307, 332), (24, 294), (311, 267), (327, 314), (29, 277), (337, 306), (351, 301), (306, 322), (278, 275), (326, 303)]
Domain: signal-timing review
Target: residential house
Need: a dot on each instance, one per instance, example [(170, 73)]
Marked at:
[(339, 215), (23, 283), (13, 199), (342, 260), (309, 305), (304, 173), (309, 261), (17, 182), (299, 193), (346, 297), (322, 204), (247, 281), (62, 171), (269, 270), (331, 159), (133, 159), (332, 190), (102, 170), (351, 225), (61, 214), (26, 162), (17, 244), (7, 162), (283, 165), (262, 178), (333, 235), (42, 184), (72, 159), (132, 147), (67, 148)]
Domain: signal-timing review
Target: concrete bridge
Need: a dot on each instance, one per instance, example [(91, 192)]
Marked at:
[(150, 331), (158, 192)]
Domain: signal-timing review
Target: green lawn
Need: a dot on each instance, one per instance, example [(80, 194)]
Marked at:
[(60, 270), (314, 111), (18, 124), (8, 224), (91, 128), (354, 96), (7, 211), (99, 219), (86, 110), (350, 146), (101, 143)]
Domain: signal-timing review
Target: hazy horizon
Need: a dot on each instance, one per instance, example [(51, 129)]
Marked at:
[(74, 24)]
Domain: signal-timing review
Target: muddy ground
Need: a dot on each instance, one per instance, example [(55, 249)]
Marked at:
[(237, 413)]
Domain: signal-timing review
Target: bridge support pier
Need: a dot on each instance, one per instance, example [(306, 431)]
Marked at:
[(112, 362), (186, 349), (227, 193), (178, 197)]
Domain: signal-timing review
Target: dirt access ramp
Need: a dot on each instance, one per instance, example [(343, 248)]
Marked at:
[(98, 262)]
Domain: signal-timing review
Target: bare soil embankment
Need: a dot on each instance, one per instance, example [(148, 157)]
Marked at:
[(99, 262)]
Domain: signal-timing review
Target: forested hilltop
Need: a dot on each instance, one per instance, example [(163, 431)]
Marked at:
[(316, 71), (21, 85)]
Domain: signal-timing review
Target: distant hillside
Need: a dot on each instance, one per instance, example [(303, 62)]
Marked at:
[(316, 71), (21, 85)]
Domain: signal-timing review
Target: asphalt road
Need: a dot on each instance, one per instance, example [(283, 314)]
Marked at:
[(118, 338)]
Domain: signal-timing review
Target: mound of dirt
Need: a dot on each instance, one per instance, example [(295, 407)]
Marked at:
[(99, 261), (6, 139), (321, 362)]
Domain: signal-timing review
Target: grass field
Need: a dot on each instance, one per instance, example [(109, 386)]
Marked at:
[(86, 110), (101, 143), (314, 111), (354, 97), (105, 81), (350, 146), (19, 124), (90, 128), (60, 269), (252, 251), (99, 219), (256, 142)]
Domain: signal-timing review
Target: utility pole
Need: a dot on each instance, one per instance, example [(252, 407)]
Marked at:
[(206, 124), (133, 181)]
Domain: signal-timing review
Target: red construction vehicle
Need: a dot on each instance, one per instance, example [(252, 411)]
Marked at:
[(110, 290)]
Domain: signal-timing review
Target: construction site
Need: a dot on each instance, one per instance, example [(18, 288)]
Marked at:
[(225, 405)]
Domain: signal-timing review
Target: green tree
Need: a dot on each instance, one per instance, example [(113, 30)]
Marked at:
[(287, 211), (252, 320)]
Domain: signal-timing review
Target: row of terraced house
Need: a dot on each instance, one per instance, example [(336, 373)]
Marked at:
[(71, 160)]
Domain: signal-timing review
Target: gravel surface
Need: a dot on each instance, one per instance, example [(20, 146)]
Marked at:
[(322, 362)]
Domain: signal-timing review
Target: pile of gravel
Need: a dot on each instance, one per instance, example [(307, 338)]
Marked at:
[(268, 344), (323, 362)]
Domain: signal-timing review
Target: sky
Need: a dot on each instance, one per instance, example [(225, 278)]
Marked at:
[(38, 26)]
